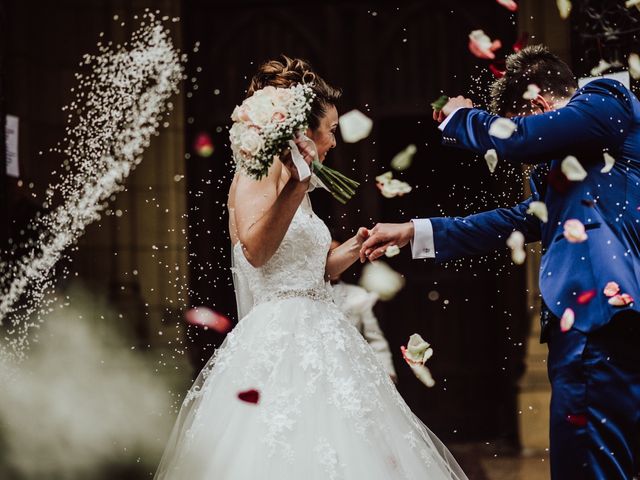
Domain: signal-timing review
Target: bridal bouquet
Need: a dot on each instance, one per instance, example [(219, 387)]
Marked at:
[(264, 126)]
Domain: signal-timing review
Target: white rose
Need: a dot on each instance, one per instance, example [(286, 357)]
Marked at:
[(251, 142)]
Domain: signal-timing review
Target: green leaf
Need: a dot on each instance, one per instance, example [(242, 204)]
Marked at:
[(439, 103)]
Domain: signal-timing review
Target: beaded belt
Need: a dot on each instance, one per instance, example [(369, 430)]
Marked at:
[(319, 294)]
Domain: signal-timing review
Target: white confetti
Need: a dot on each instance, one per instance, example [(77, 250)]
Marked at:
[(609, 162), (634, 65), (567, 320), (564, 8), (491, 157), (599, 69), (403, 160), (392, 251), (380, 278), (574, 231), (572, 169), (502, 128), (354, 126), (118, 107), (539, 209), (516, 243), (532, 92)]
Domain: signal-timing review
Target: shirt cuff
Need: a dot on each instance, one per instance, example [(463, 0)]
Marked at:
[(443, 125), (422, 245)]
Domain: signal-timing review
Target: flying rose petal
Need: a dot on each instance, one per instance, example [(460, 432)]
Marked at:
[(522, 42), (632, 3), (384, 178), (502, 128), (539, 209), (599, 69), (574, 231), (380, 278), (481, 45), (205, 317), (634, 65), (586, 297), (354, 126), (516, 243), (532, 92), (509, 5), (392, 251), (496, 71), (416, 353), (249, 396), (203, 145), (391, 187), (418, 350), (491, 157), (403, 160), (611, 289), (564, 8), (566, 322), (588, 203), (423, 374), (572, 169), (621, 300), (609, 162)]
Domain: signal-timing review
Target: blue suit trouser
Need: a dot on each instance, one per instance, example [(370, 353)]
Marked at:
[(595, 403)]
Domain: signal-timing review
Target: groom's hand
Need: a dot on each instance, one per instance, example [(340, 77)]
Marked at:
[(384, 235), (452, 105)]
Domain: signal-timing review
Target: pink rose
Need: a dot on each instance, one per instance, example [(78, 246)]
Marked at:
[(611, 289)]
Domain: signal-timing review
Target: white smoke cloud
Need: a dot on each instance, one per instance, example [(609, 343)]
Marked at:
[(83, 399)]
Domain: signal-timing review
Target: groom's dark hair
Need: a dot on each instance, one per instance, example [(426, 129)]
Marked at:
[(534, 64)]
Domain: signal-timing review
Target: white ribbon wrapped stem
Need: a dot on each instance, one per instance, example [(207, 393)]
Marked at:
[(301, 166)]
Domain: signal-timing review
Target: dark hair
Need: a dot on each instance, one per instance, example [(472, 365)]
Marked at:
[(534, 64), (287, 72)]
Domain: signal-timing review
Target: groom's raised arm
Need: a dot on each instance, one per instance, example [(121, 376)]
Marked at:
[(448, 238), (451, 238), (598, 116)]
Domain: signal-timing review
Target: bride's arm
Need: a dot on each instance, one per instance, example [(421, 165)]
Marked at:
[(344, 255), (262, 214)]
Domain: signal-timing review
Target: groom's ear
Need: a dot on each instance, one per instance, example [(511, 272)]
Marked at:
[(540, 104)]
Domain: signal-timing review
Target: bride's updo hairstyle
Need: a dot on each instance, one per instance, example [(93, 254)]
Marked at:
[(287, 72)]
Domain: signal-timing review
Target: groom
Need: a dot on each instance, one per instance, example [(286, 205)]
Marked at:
[(594, 366)]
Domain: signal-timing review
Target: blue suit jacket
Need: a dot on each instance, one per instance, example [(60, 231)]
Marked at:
[(601, 116)]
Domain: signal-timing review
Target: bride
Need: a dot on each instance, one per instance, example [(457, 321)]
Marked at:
[(295, 392)]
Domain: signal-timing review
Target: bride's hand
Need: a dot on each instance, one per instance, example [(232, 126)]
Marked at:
[(362, 235), (307, 155)]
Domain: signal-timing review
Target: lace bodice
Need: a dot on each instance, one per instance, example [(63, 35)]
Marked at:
[(298, 264)]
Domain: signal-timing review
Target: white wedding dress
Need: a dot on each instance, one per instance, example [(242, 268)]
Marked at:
[(327, 409)]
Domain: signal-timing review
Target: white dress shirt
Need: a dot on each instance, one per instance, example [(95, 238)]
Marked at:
[(357, 305)]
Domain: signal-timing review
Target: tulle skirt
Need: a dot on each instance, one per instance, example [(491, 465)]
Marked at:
[(326, 409)]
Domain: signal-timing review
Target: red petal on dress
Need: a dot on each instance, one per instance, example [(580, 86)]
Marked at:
[(586, 297), (579, 420), (249, 396)]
